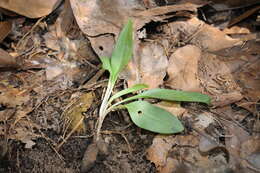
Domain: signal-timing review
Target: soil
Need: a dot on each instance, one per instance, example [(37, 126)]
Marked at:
[(123, 156)]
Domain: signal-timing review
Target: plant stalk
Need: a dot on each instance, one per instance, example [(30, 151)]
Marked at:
[(103, 107)]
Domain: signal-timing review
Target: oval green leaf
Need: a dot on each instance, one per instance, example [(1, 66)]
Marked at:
[(153, 118), (132, 89)]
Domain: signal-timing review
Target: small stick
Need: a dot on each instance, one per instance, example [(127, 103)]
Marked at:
[(71, 132)]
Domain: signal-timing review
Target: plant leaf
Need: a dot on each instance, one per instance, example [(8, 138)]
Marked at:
[(172, 95), (132, 89), (123, 50), (153, 118), (106, 63)]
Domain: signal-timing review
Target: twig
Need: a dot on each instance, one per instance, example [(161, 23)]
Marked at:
[(30, 31), (71, 132)]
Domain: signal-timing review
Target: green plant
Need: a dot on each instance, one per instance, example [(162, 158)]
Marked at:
[(142, 113)]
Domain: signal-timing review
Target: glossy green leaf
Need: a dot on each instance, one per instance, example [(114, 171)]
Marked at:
[(132, 89), (106, 63), (172, 95), (153, 118), (123, 50)]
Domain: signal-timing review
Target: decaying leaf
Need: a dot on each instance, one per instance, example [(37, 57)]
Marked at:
[(6, 114), (248, 78), (149, 66), (30, 8), (7, 61), (183, 69), (217, 80), (24, 131), (158, 151), (202, 35), (5, 29), (13, 97), (165, 150), (75, 111)]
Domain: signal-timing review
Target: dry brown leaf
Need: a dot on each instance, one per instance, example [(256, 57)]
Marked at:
[(5, 29), (250, 146), (24, 131), (248, 78), (236, 30), (183, 69), (217, 81), (12, 97), (158, 151), (202, 35), (244, 65), (66, 18), (74, 113), (170, 165), (173, 107), (30, 8), (103, 45), (149, 65), (165, 150), (6, 60), (203, 120), (96, 17), (6, 114)]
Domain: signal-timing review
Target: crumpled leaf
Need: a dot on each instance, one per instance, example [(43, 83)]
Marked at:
[(30, 8), (217, 80), (153, 118), (74, 113), (165, 150), (149, 65), (158, 151), (183, 69), (201, 34)]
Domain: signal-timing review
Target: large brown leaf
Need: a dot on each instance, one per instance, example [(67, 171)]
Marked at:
[(30, 8)]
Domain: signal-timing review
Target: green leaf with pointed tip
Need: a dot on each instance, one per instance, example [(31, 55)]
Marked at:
[(172, 95), (132, 89), (106, 63), (123, 50), (153, 118)]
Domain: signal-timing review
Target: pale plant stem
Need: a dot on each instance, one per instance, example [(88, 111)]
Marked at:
[(103, 108), (115, 106)]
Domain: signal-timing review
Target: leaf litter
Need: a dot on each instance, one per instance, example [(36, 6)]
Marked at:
[(178, 45)]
